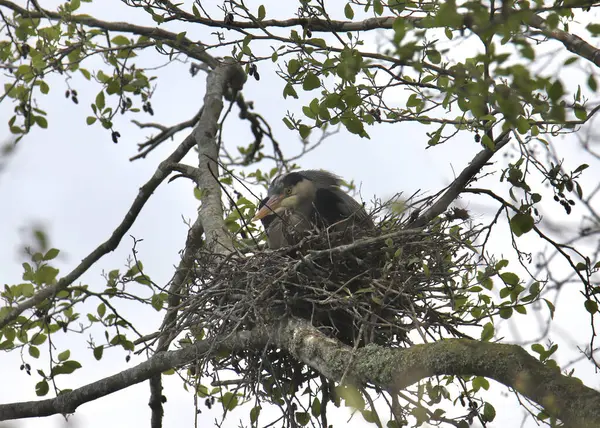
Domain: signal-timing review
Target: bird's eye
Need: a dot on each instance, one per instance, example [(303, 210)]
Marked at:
[(288, 191)]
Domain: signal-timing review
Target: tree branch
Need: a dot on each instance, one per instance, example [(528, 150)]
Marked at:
[(162, 171), (70, 401), (196, 50), (459, 183), (166, 133), (572, 42), (228, 74), (563, 397)]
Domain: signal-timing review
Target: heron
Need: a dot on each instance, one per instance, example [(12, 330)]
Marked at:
[(300, 201)]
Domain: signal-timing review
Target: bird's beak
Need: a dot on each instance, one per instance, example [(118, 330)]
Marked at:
[(272, 204)]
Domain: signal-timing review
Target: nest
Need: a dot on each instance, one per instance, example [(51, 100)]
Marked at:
[(383, 286)]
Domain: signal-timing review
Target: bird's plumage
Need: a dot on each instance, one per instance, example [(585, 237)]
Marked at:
[(303, 200)]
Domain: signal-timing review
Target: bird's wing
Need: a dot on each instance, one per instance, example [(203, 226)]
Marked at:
[(334, 205)]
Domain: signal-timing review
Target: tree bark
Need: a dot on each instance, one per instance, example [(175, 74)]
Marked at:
[(563, 397)]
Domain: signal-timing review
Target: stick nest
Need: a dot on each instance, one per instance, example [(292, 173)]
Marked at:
[(374, 286)]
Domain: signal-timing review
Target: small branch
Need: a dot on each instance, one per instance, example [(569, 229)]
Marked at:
[(459, 183), (161, 173), (195, 50), (166, 133), (68, 402)]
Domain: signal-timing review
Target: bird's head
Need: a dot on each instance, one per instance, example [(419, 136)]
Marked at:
[(295, 191)]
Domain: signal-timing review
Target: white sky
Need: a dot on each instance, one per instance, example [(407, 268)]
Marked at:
[(75, 182)]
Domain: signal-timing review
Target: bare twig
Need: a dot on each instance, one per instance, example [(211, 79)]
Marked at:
[(459, 183)]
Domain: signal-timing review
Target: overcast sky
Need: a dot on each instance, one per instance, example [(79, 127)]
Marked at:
[(72, 180)]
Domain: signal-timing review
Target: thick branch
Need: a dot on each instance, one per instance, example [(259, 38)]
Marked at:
[(229, 73), (572, 42), (162, 171), (210, 217), (459, 183), (563, 397)]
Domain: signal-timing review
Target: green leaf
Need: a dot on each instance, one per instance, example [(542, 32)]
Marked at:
[(90, 120), (523, 125), (67, 367), (488, 332), (378, 7), (556, 90), (348, 11), (63, 356), (261, 12), (41, 121), (120, 40), (157, 302), (479, 382), (304, 131), (288, 123), (42, 388), (354, 125), (101, 310), (510, 278), (98, 351), (591, 306), (34, 351), (489, 412), (27, 289), (592, 84), (594, 29), (315, 408), (521, 223), (254, 413), (289, 90), (100, 100), (311, 81), (302, 418), (505, 312), (85, 73), (44, 88), (38, 339), (550, 307), (487, 142), (229, 401), (580, 112), (52, 253), (434, 56)]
